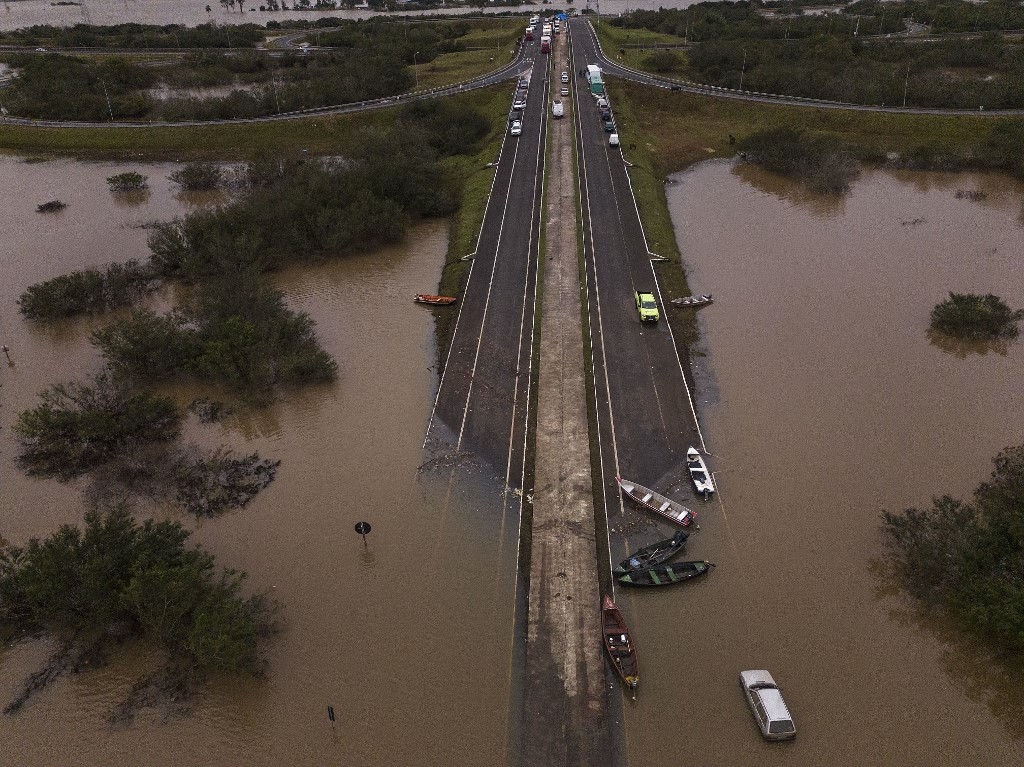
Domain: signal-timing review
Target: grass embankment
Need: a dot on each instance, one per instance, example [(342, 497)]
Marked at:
[(321, 135), (664, 132), (621, 44), (457, 67)]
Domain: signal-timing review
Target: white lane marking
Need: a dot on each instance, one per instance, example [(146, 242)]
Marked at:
[(584, 185), (487, 301), (657, 287), (458, 317)]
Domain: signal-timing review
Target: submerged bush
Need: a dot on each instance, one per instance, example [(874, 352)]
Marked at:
[(974, 317), (127, 182), (237, 331), (821, 162), (966, 559), (198, 176), (91, 588), (302, 211), (80, 426), (87, 291)]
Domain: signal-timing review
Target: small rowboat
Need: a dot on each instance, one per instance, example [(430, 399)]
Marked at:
[(699, 473), (671, 510), (423, 298), (693, 301), (665, 574), (655, 554), (618, 644)]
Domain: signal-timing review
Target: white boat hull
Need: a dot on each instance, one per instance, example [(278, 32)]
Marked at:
[(671, 510), (699, 473)]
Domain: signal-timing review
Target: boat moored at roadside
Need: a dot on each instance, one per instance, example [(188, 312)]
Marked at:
[(671, 510), (699, 473)]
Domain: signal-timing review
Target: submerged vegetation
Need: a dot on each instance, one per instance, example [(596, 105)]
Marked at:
[(236, 331), (114, 579), (297, 211), (966, 559), (972, 317), (88, 291), (80, 426), (126, 440), (821, 162), (131, 181), (198, 176)]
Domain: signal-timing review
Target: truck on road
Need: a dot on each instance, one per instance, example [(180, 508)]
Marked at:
[(545, 44), (594, 78)]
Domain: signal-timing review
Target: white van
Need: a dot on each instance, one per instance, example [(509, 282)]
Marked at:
[(767, 705), (557, 110), (613, 139)]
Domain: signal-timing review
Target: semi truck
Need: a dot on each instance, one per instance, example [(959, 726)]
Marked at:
[(545, 43), (594, 78)]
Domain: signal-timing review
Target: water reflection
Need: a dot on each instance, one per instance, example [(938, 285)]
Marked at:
[(962, 349), (831, 404), (131, 199), (794, 192)]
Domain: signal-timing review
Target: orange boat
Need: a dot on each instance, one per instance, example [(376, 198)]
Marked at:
[(423, 298)]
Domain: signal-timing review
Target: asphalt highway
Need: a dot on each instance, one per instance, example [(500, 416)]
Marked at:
[(645, 418), (483, 399)]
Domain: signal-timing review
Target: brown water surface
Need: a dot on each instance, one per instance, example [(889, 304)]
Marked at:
[(408, 639), (825, 403)]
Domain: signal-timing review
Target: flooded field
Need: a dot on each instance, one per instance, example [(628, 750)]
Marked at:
[(825, 403), (24, 13), (408, 639)]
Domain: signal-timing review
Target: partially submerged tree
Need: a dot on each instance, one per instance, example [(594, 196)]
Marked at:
[(90, 588), (80, 426), (87, 291), (966, 559), (127, 182), (198, 176), (975, 317), (821, 162)]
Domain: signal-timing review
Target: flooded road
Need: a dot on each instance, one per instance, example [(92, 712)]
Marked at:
[(825, 403), (408, 639)]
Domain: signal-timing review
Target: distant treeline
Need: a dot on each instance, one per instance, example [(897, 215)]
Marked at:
[(372, 62), (139, 36), (820, 56)]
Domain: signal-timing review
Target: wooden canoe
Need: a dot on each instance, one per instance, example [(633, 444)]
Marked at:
[(699, 473), (693, 301), (665, 574), (619, 645), (671, 510), (423, 298), (655, 554)]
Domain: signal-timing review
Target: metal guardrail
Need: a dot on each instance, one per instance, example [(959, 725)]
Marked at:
[(702, 89), (491, 78)]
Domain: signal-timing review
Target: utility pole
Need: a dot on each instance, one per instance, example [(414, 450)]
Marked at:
[(743, 71), (415, 72), (906, 84)]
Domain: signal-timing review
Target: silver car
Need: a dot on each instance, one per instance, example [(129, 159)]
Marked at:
[(765, 700)]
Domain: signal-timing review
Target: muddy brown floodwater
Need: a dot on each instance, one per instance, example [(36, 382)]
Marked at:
[(824, 404), (408, 639)]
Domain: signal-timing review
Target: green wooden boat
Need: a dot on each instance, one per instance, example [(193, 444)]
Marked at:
[(666, 574), (652, 555)]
